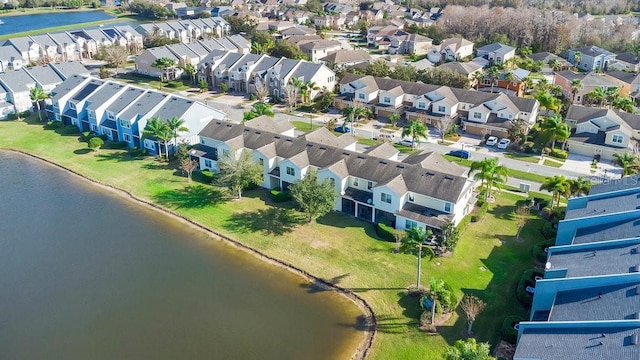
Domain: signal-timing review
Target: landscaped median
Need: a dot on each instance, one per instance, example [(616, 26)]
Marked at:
[(487, 262)]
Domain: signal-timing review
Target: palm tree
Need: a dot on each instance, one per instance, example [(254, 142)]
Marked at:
[(528, 84), (625, 103), (556, 129), (579, 186), (191, 70), (494, 75), (301, 87), (478, 77), (412, 243), (577, 57), (490, 173), (258, 109), (629, 163), (468, 350), (309, 87), (548, 101), (558, 186), (611, 95), (508, 77), (576, 85), (436, 286), (37, 95), (554, 64), (175, 125), (598, 94), (158, 130), (393, 119), (416, 130)]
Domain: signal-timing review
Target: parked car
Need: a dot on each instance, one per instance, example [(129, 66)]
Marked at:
[(463, 154), (504, 143), (385, 137), (491, 141), (343, 129), (406, 142)]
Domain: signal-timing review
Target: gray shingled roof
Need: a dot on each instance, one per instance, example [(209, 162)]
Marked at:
[(247, 59), (306, 70), (66, 86), (596, 303), (615, 258), (265, 123), (143, 105), (607, 205), (383, 150), (175, 106), (347, 56), (17, 80), (67, 69), (127, 97), (430, 182), (7, 52), (104, 94), (622, 229), (45, 75), (627, 182)]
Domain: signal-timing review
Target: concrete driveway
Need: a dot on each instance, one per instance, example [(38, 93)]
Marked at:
[(582, 164)]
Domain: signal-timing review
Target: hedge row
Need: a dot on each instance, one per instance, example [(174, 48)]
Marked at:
[(385, 232), (508, 332), (527, 279), (483, 207), (279, 196)]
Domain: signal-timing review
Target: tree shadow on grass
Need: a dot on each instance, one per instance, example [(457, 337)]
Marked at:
[(156, 165), (385, 324), (503, 212), (318, 286), (271, 221), (410, 304), (83, 151), (118, 156), (191, 196)]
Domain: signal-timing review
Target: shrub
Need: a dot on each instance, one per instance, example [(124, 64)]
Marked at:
[(25, 113), (117, 144), (508, 332), (528, 147), (527, 279), (538, 251), (558, 213), (385, 232), (174, 84), (12, 116), (483, 207), (69, 130), (546, 211), (464, 222), (95, 143), (280, 196), (561, 154)]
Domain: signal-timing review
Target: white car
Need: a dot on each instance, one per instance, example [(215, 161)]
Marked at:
[(504, 143), (406, 142), (492, 140)]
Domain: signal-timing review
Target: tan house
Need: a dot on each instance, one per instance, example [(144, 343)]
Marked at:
[(589, 82), (601, 132), (315, 50), (451, 49), (412, 44)]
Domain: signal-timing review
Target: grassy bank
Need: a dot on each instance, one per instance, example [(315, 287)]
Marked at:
[(487, 262), (119, 18)]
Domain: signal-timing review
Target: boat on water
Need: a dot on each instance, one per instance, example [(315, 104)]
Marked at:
[(1, 22)]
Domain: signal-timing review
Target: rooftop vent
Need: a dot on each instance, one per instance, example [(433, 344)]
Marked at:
[(361, 157), (383, 162), (229, 125), (636, 268), (634, 250), (429, 173), (258, 132), (447, 177), (400, 166), (345, 153), (323, 148), (276, 136), (634, 339)]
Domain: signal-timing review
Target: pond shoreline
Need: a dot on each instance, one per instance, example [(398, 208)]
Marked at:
[(368, 340)]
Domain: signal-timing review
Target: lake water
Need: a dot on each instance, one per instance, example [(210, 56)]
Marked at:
[(88, 275), (20, 23)]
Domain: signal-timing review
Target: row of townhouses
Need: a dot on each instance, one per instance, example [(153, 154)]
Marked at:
[(587, 306), (16, 85), (240, 72), (184, 54), (65, 46), (121, 112), (187, 30), (422, 190), (478, 113)]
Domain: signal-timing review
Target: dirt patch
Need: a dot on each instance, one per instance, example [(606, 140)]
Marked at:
[(504, 350), (319, 244)]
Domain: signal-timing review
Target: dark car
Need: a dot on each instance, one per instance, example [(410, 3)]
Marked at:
[(342, 129), (463, 154)]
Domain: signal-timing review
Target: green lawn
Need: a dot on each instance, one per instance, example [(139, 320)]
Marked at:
[(522, 157), (486, 263), (552, 163), (304, 126), (141, 80)]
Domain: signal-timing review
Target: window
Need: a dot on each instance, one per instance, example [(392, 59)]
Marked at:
[(385, 198), (477, 115), (411, 197), (387, 100), (356, 182), (214, 154), (421, 105), (261, 161), (202, 141), (447, 207), (332, 181), (442, 109), (617, 139), (410, 224), (110, 116), (291, 171), (369, 185), (510, 116), (126, 137), (125, 124), (360, 96), (72, 105), (94, 128), (207, 163)]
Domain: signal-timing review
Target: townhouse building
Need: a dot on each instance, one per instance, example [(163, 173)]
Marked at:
[(476, 112), (450, 49), (587, 305), (424, 190), (591, 58), (10, 58), (588, 82), (496, 53), (121, 112)]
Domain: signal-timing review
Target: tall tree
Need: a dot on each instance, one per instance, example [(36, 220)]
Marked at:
[(468, 350), (444, 125), (310, 87), (114, 55), (191, 71), (494, 75), (416, 130), (187, 165), (630, 163), (555, 129), (412, 243), (577, 57), (448, 236), (599, 95), (472, 307), (625, 103), (168, 67), (478, 77), (158, 130), (176, 125), (378, 68), (580, 186), (258, 109), (38, 95), (393, 119), (315, 197), (291, 96), (558, 185), (490, 172), (437, 288), (576, 85), (260, 89), (238, 171)]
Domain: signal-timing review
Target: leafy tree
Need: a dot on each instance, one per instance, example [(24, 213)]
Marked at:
[(490, 172), (37, 95), (576, 85), (439, 291), (444, 125), (378, 68), (114, 55), (625, 103), (393, 119), (157, 129), (558, 186), (258, 109), (324, 101), (448, 236), (95, 143), (262, 42), (472, 307), (168, 67), (314, 197), (413, 243), (630, 163), (556, 129), (191, 71), (518, 130), (224, 87), (149, 10), (416, 130), (444, 77), (203, 85), (260, 89), (176, 125), (579, 186), (468, 350), (240, 25), (289, 50), (238, 171), (104, 73), (291, 95), (547, 100), (598, 95), (404, 72)]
